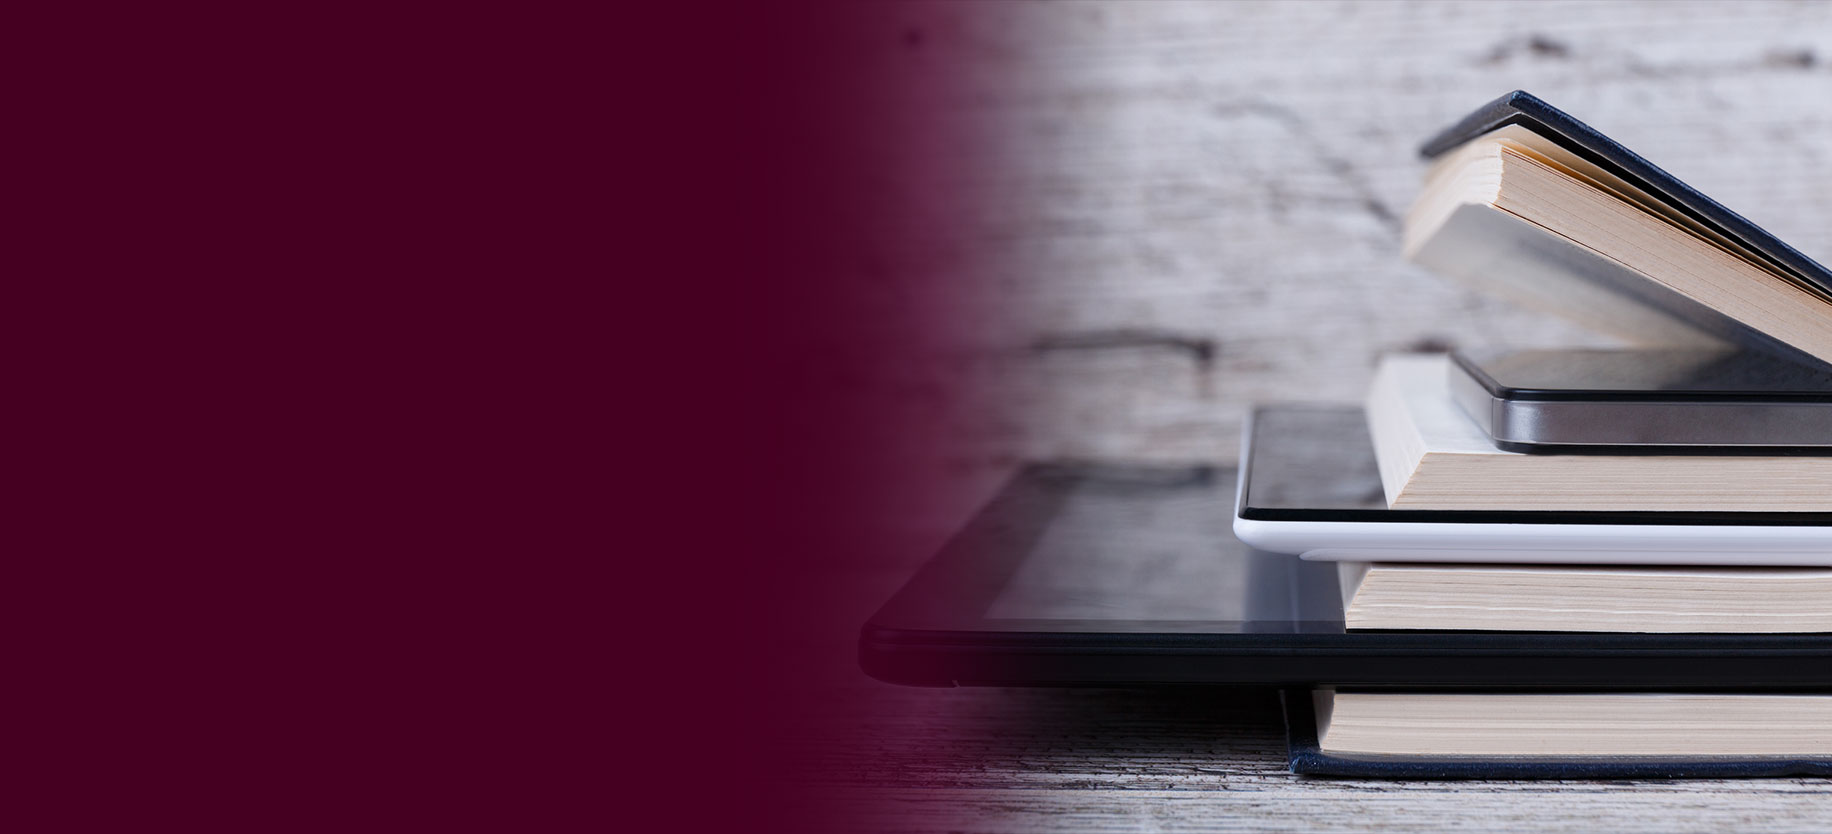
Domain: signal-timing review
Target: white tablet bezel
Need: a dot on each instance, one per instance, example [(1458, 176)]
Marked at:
[(1539, 542)]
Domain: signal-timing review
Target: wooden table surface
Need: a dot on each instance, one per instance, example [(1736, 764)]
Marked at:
[(1202, 759), (878, 757)]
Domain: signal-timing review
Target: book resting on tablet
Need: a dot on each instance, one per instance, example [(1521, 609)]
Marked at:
[(1526, 202)]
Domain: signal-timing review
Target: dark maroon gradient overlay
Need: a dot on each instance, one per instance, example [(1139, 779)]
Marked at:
[(873, 211), (794, 251), (460, 417)]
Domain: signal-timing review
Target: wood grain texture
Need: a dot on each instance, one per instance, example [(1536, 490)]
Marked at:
[(866, 756), (1191, 207), (1194, 207)]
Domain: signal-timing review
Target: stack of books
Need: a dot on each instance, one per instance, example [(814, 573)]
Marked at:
[(1525, 201)]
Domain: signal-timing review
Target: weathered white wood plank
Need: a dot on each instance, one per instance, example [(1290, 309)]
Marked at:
[(1194, 759), (1320, 811), (1230, 175)]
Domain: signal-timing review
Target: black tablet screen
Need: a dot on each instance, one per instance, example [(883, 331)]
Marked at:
[(1151, 549), (1104, 574)]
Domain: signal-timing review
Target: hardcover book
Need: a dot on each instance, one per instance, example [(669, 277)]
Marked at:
[(1586, 724), (1529, 203)]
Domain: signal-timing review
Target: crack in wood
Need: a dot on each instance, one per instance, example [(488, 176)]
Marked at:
[(1199, 348), (1340, 167)]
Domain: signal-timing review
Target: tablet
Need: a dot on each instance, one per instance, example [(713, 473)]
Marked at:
[(1095, 575), (1668, 401), (1310, 485)]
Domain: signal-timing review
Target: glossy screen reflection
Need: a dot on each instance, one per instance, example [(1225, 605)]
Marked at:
[(1152, 550)]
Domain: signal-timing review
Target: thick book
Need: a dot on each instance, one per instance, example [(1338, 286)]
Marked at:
[(1432, 456), (1308, 755), (1595, 598), (1585, 724), (1529, 203)]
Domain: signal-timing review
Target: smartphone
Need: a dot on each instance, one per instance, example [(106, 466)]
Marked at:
[(1309, 485), (1646, 401)]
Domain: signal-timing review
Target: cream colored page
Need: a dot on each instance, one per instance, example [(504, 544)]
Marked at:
[(1422, 380), (1534, 146)]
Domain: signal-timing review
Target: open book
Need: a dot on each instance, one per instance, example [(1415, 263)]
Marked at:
[(1531, 204)]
